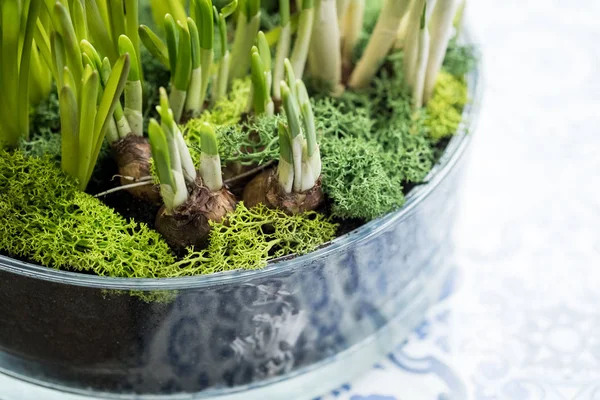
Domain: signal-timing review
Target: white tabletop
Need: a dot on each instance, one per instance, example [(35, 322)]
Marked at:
[(524, 319)]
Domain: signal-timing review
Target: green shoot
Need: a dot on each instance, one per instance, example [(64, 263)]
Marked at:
[(154, 45), (303, 36), (17, 26), (261, 77), (301, 136), (283, 47), (204, 19), (220, 87), (324, 57), (171, 156), (210, 162), (380, 43), (133, 89), (248, 24), (183, 71)]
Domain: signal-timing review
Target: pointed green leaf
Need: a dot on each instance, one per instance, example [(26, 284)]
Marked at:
[(195, 43), (208, 140), (89, 98), (126, 47), (229, 9), (264, 50), (183, 69), (69, 126), (171, 33), (154, 45), (205, 22), (160, 153), (285, 144), (110, 98)]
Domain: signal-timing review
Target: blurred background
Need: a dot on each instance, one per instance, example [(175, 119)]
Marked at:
[(523, 320)]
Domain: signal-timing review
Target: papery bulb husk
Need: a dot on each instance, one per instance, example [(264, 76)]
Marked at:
[(188, 225), (265, 189), (133, 156)]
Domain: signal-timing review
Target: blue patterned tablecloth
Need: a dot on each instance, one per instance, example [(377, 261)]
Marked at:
[(523, 321)]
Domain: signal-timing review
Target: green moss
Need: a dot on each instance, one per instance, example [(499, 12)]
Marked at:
[(251, 237), (227, 111), (459, 59), (251, 142), (359, 177), (45, 219), (444, 110), (44, 130), (338, 119)]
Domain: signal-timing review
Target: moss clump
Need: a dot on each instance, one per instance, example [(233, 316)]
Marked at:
[(227, 111), (359, 177), (459, 59), (45, 219), (444, 110), (251, 237), (252, 142), (338, 119)]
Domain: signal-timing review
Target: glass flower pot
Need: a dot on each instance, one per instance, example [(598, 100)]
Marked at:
[(300, 326)]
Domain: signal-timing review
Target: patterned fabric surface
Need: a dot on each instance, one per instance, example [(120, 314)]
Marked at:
[(523, 321)]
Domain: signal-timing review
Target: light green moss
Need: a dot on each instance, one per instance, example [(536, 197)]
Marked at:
[(252, 142), (44, 218), (251, 237), (358, 177), (444, 110), (227, 111)]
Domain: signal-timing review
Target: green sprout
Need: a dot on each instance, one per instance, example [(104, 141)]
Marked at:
[(262, 77), (220, 87), (300, 135), (303, 38), (89, 92), (283, 47), (188, 54), (248, 24), (171, 156), (17, 25)]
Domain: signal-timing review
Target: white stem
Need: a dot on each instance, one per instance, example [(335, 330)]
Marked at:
[(297, 145), (285, 172), (325, 53), (315, 162), (210, 170), (187, 164), (283, 51), (381, 42), (174, 196), (300, 52), (245, 34), (193, 103), (401, 38), (441, 32), (223, 78), (411, 44), (250, 103), (133, 107), (309, 177), (419, 79), (112, 133), (177, 100), (123, 127), (270, 107), (353, 23), (342, 8)]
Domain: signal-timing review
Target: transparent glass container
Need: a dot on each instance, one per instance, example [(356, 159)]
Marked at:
[(297, 328)]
